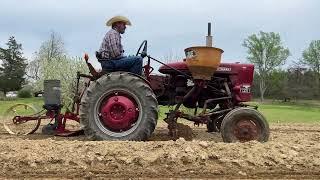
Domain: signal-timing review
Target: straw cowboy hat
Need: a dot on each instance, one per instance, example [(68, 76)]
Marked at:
[(117, 19)]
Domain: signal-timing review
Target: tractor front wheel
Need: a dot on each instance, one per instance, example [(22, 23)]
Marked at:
[(119, 106), (244, 124)]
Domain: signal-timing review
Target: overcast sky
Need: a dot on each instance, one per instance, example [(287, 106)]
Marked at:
[(169, 25)]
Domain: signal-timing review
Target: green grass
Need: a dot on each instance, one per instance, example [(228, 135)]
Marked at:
[(4, 105), (275, 112), (278, 112), (291, 112)]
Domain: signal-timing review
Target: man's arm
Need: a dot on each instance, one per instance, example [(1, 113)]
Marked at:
[(103, 48)]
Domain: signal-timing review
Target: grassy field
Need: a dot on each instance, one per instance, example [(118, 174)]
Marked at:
[(290, 113), (275, 112), (4, 105)]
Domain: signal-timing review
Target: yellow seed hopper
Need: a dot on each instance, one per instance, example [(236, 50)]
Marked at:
[(203, 61)]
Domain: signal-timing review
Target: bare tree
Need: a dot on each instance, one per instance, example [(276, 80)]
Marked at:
[(172, 56), (33, 68), (50, 50), (53, 48)]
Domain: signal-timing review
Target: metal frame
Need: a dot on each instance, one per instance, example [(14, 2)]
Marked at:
[(61, 118), (172, 116)]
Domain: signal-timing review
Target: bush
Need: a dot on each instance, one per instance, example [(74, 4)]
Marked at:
[(24, 93)]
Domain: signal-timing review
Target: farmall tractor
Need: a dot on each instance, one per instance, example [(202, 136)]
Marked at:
[(124, 106)]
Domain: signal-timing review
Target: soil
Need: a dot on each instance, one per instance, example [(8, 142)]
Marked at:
[(293, 151)]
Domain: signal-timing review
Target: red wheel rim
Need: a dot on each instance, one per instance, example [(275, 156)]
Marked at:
[(246, 130), (118, 111)]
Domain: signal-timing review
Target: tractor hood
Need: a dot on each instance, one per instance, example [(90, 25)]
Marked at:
[(224, 68), (240, 75)]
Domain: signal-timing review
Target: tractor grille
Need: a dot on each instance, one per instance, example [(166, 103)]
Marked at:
[(52, 92)]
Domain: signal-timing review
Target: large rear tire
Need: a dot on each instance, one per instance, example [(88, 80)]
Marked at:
[(119, 106), (244, 124)]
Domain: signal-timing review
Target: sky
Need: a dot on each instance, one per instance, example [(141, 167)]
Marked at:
[(170, 26)]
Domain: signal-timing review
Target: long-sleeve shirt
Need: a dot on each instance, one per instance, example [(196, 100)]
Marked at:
[(111, 47)]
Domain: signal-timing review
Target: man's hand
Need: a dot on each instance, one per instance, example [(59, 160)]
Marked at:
[(143, 54), (86, 57)]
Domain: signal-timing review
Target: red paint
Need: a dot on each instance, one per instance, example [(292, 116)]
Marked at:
[(119, 113), (241, 75)]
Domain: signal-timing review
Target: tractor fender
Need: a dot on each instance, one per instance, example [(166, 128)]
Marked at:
[(133, 74), (141, 77)]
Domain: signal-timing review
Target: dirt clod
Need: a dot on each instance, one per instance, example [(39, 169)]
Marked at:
[(203, 144)]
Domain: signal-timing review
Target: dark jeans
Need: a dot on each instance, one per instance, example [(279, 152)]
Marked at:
[(129, 64)]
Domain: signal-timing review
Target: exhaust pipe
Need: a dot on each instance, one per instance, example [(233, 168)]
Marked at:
[(209, 42)]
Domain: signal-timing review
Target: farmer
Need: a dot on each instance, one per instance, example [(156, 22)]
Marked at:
[(111, 50)]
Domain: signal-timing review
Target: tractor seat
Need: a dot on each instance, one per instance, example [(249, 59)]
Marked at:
[(99, 56)]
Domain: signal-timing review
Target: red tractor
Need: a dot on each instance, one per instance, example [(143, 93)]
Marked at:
[(124, 106)]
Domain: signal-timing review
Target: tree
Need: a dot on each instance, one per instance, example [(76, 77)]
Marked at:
[(53, 48), (13, 67), (51, 62), (277, 84), (172, 56), (33, 68), (266, 52), (63, 69), (311, 58), (50, 50), (1, 62)]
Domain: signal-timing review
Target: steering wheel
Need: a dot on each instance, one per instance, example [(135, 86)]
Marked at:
[(143, 53)]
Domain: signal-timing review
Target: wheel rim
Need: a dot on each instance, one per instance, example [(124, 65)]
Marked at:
[(246, 130), (12, 126), (117, 112)]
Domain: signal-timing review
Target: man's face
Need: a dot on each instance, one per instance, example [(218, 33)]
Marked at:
[(121, 27)]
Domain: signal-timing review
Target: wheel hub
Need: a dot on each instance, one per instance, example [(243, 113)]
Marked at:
[(119, 113), (246, 130)]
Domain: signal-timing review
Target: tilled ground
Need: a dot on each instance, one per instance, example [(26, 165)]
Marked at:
[(292, 152)]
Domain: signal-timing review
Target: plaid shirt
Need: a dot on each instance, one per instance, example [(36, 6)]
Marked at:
[(111, 47)]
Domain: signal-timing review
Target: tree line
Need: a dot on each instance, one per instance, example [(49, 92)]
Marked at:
[(268, 53), (294, 83), (51, 61), (264, 49)]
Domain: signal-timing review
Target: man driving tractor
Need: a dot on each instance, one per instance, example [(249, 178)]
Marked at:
[(111, 50)]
